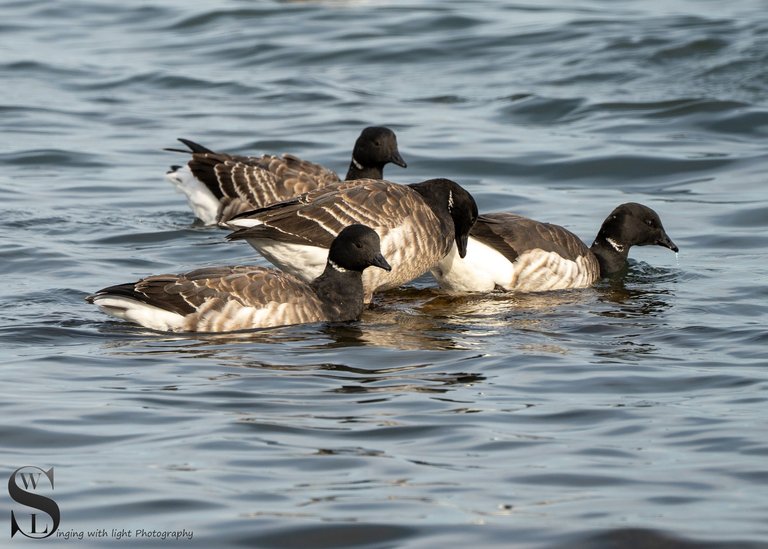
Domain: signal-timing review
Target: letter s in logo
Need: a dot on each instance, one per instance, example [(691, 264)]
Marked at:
[(30, 478)]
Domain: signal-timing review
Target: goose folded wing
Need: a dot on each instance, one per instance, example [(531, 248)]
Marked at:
[(315, 218), (511, 235), (188, 293)]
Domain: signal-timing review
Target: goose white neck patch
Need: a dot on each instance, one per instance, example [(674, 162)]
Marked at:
[(615, 245), (356, 164), (336, 267)]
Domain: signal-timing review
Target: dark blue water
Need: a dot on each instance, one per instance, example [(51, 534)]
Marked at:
[(624, 415)]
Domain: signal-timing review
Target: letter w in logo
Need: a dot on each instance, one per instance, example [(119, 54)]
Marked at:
[(29, 479)]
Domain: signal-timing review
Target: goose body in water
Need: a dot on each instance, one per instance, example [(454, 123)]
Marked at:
[(224, 299), (514, 253)]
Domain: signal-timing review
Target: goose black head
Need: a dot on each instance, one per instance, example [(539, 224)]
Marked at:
[(356, 248), (376, 147), (444, 195), (633, 224)]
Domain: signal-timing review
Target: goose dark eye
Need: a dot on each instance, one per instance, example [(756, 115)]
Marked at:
[(358, 245), (650, 223)]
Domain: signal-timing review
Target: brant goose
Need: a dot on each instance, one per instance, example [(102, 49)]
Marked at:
[(219, 186), (419, 224), (223, 299), (514, 253)]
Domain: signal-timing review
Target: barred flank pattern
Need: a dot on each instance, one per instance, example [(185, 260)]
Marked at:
[(539, 270), (243, 183), (232, 298)]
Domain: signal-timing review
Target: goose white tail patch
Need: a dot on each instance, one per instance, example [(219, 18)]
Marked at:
[(302, 261), (201, 200), (482, 270), (141, 313), (242, 223)]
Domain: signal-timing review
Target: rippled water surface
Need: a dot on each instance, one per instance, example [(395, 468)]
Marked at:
[(631, 414)]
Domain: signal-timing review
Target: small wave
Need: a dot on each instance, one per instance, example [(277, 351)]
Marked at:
[(215, 17), (163, 80), (675, 108), (643, 538), (330, 535), (49, 70), (608, 169), (744, 217), (703, 47), (52, 157), (29, 437), (542, 110)]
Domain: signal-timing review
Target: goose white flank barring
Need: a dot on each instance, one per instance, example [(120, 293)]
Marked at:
[(511, 252), (224, 299), (419, 224), (218, 186)]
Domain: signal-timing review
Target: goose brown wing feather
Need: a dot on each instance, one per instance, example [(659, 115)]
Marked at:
[(256, 182), (511, 235), (213, 298), (251, 286), (321, 214)]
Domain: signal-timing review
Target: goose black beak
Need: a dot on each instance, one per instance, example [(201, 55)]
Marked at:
[(380, 262), (666, 242), (398, 160), (461, 243)]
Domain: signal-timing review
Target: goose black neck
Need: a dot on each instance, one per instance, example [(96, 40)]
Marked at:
[(611, 255), (358, 171), (435, 196), (341, 292)]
